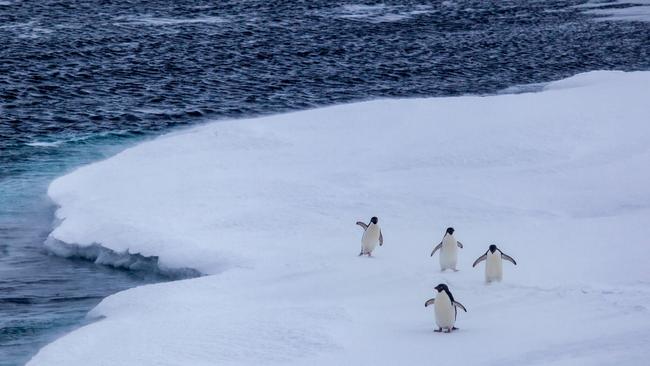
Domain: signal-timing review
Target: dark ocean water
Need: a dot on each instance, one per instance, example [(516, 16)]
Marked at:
[(79, 80)]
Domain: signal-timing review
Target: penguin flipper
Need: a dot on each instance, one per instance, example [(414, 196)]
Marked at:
[(460, 245), (479, 259), (362, 224), (436, 248), (508, 258), (429, 302), (381, 238), (459, 305)]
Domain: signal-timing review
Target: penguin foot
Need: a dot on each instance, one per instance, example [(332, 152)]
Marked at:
[(454, 328), (439, 330), (360, 254)]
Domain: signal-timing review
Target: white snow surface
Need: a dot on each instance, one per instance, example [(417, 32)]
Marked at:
[(558, 179)]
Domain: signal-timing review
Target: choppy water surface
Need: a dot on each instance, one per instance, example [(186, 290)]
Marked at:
[(80, 79), (42, 296)]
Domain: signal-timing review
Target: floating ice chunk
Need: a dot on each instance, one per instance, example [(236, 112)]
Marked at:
[(154, 21), (44, 143), (622, 10)]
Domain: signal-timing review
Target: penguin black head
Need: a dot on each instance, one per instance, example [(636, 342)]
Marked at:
[(374, 220), (442, 287), (493, 248), (450, 230)]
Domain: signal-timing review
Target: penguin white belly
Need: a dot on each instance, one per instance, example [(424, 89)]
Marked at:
[(448, 253), (493, 267), (370, 238), (445, 312)]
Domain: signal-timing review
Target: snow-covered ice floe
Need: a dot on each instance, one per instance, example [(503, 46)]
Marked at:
[(618, 10), (266, 208)]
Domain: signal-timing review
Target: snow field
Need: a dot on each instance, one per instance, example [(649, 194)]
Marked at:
[(266, 208)]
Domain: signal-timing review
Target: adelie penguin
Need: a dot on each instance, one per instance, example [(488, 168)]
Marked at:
[(493, 263), (448, 250), (371, 236), (446, 308)]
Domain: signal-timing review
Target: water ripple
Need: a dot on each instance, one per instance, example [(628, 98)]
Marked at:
[(77, 79), (143, 67)]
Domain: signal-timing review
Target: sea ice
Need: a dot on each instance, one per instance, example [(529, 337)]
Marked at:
[(266, 208)]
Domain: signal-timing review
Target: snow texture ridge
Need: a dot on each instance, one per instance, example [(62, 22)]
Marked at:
[(266, 207)]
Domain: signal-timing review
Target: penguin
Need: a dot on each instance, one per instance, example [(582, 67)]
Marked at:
[(448, 250), (371, 236), (446, 308), (493, 263)]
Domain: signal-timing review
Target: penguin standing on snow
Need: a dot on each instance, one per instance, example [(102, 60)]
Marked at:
[(371, 236), (493, 263), (448, 250), (446, 308)]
